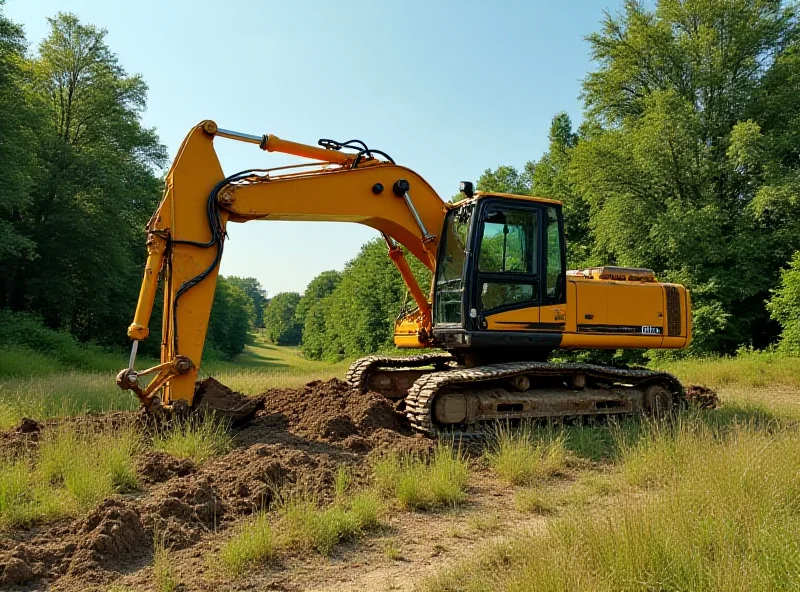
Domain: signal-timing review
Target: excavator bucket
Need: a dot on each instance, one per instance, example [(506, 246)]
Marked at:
[(213, 397)]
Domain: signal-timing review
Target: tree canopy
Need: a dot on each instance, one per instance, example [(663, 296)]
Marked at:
[(280, 324)]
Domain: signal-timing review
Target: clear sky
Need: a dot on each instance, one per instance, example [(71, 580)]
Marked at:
[(447, 88)]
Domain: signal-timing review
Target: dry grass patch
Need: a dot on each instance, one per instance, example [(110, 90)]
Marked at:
[(419, 483), (534, 501)]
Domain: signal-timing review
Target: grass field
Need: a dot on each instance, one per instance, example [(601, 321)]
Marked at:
[(708, 502), (40, 386)]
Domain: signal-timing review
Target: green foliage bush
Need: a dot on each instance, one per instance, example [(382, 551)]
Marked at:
[(23, 333), (358, 316), (280, 324), (784, 306)]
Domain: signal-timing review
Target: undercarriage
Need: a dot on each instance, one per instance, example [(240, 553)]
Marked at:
[(441, 397)]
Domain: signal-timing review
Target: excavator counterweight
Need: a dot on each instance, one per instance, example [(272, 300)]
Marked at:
[(500, 302)]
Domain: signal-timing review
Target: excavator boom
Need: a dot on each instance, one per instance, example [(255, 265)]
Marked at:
[(186, 235)]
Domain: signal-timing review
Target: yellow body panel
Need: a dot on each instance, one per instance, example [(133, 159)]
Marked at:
[(601, 314), (520, 319)]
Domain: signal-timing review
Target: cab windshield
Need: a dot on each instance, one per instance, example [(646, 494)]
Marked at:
[(450, 271)]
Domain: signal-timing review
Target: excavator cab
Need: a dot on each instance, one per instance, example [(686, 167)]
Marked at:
[(501, 261)]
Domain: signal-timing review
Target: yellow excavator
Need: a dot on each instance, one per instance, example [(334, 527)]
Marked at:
[(501, 299)]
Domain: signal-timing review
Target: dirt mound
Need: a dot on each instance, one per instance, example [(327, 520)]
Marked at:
[(113, 532), (182, 510), (20, 438), (295, 443), (156, 467), (702, 397), (333, 411), (211, 396), (90, 549)]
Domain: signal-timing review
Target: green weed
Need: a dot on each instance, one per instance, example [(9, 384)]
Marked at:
[(306, 525), (253, 543), (74, 471), (198, 438), (524, 455), (419, 483), (163, 571)]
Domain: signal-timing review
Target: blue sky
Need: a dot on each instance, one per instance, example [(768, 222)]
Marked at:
[(447, 88)]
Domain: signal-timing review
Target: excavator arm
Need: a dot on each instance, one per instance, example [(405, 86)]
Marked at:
[(186, 235)]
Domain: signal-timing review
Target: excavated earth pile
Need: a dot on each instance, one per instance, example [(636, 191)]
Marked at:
[(296, 441)]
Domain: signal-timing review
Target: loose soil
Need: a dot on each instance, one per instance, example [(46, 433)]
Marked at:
[(296, 441)]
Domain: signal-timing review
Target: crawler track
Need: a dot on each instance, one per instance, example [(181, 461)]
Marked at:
[(359, 373), (421, 400)]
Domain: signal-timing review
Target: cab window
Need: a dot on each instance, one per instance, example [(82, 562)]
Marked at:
[(507, 260), (555, 265)]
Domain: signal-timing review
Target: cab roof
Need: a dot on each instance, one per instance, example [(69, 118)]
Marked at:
[(484, 194)]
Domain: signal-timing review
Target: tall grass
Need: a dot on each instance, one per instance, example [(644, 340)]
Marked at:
[(523, 455), (252, 543), (198, 438), (60, 395), (300, 525), (73, 471), (304, 525), (264, 365), (719, 512), (753, 369), (419, 483), (164, 575)]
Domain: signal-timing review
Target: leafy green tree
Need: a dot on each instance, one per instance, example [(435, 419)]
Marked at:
[(230, 318), (506, 179), (551, 179), (20, 122), (317, 289), (280, 323), (97, 187), (358, 316), (784, 306), (258, 297), (320, 343)]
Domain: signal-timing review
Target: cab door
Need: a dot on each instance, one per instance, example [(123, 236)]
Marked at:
[(518, 266)]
